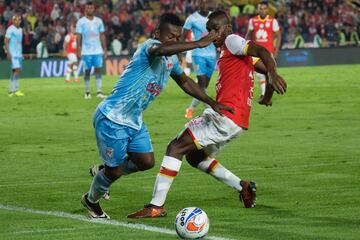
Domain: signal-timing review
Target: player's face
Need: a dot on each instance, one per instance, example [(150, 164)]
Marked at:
[(169, 33), (263, 10), (89, 10), (203, 6), (17, 21), (221, 30)]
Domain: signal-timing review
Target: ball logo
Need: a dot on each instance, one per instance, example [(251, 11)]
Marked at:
[(182, 217), (195, 224)]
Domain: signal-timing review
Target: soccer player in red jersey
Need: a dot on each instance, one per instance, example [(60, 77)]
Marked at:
[(204, 136), (262, 29), (71, 51)]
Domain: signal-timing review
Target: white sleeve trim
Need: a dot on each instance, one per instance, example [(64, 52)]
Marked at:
[(251, 25), (236, 45), (275, 25)]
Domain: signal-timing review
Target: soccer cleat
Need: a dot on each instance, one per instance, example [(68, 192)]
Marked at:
[(68, 81), (100, 95), (77, 80), (189, 113), (93, 209), (19, 93), (149, 211), (248, 194), (10, 94), (87, 95)]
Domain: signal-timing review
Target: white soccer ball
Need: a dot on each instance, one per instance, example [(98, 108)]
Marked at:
[(192, 223)]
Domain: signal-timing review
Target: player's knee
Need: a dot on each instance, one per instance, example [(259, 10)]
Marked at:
[(174, 149), (147, 164)]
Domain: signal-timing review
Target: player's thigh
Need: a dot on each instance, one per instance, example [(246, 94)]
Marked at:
[(112, 140), (72, 58), (199, 65), (87, 59), (16, 64), (140, 149), (211, 131), (98, 61)]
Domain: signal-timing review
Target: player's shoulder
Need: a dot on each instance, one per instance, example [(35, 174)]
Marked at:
[(11, 28), (98, 19), (233, 38)]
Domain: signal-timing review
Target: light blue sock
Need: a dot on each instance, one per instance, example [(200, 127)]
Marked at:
[(87, 83), (98, 82), (99, 186), (13, 84)]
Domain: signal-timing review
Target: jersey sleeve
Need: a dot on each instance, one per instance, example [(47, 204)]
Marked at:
[(101, 26), (251, 25), (188, 23), (8, 33), (79, 27), (275, 25), (237, 45), (67, 38), (176, 70)]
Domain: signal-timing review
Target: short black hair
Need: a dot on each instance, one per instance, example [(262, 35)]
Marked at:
[(89, 3), (219, 13), (264, 3), (169, 18)]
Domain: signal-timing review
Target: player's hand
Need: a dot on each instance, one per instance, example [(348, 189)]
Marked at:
[(105, 55), (8, 56), (218, 107), (277, 83), (264, 100), (208, 39)]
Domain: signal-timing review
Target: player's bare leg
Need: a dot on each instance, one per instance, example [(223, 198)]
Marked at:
[(203, 82), (247, 189)]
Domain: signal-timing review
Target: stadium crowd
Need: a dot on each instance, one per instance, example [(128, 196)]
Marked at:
[(304, 23)]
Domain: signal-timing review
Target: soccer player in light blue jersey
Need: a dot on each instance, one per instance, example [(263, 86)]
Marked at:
[(13, 47), (122, 137), (91, 44), (203, 59)]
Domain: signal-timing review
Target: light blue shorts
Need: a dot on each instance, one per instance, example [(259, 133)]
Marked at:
[(95, 61), (203, 65), (16, 62), (114, 141)]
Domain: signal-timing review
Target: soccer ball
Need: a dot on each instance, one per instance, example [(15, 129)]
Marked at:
[(192, 223)]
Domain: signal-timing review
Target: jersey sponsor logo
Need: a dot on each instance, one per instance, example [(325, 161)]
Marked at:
[(261, 35), (267, 24), (153, 88)]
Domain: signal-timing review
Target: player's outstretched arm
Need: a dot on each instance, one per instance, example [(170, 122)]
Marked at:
[(193, 89), (171, 48), (275, 80)]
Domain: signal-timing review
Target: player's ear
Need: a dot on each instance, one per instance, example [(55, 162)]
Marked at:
[(157, 33)]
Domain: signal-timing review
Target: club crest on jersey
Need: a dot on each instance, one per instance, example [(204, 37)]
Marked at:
[(110, 152), (169, 63)]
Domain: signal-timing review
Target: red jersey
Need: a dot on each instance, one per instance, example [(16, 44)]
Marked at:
[(235, 85), (70, 43), (264, 30)]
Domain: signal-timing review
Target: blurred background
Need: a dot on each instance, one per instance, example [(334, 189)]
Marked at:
[(304, 24)]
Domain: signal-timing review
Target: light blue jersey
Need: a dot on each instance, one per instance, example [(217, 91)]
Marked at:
[(144, 78), (197, 24), (90, 31), (15, 36)]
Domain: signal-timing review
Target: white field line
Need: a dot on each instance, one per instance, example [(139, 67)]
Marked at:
[(49, 230), (279, 169), (98, 221)]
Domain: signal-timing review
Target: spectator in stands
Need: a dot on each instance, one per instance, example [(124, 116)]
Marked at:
[(116, 46), (41, 49), (299, 39)]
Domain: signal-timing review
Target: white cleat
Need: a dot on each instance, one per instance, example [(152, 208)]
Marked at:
[(87, 96), (100, 95)]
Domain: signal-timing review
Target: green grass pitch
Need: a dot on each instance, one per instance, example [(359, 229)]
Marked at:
[(303, 152)]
